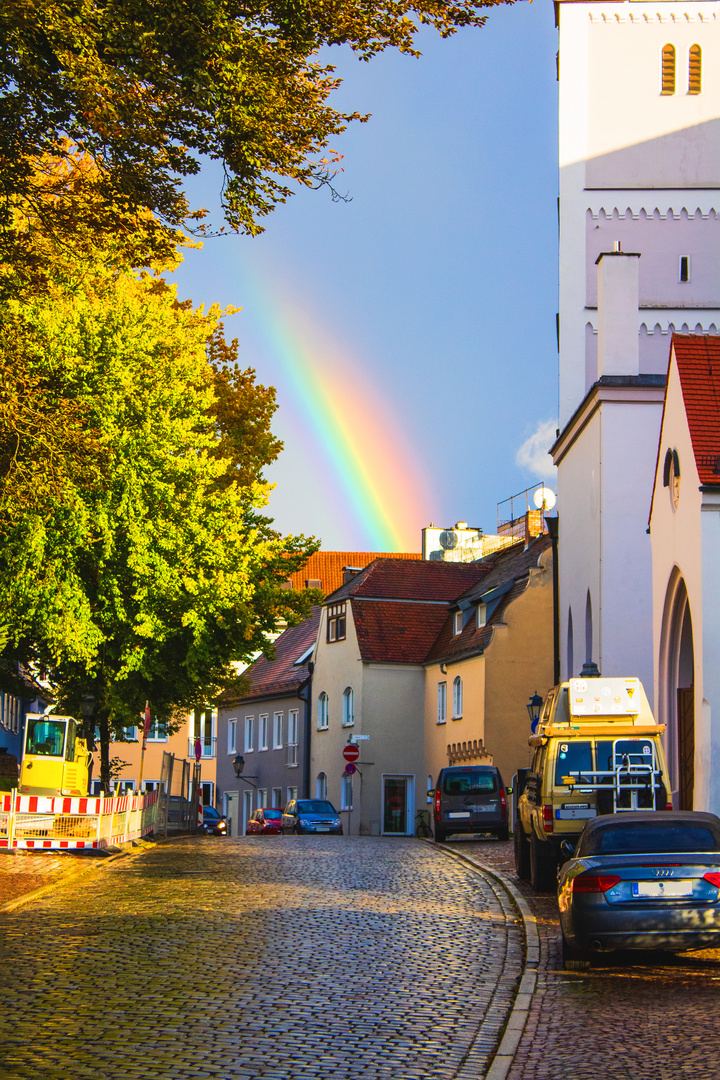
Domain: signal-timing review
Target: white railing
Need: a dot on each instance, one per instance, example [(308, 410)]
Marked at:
[(37, 822)]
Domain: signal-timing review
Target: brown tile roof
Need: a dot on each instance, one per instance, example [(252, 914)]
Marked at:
[(396, 633), (327, 566), (391, 579), (281, 676), (511, 567), (698, 362)]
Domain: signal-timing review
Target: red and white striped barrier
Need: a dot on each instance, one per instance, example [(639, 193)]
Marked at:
[(36, 821)]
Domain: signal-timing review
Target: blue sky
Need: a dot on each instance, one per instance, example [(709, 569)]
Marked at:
[(436, 284)]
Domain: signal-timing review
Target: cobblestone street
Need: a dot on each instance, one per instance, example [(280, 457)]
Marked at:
[(277, 957)]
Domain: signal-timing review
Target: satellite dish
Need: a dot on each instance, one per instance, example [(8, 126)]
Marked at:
[(448, 539), (544, 498)]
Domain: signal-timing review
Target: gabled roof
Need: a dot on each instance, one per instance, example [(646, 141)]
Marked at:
[(283, 675), (425, 580), (327, 566), (698, 364), (391, 632), (507, 579)]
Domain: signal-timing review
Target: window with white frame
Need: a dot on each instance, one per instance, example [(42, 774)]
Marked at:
[(321, 786), (277, 797), (457, 701), (130, 734), (277, 731), (249, 734), (442, 702), (322, 712), (457, 623), (346, 793), (292, 747), (264, 725), (348, 707), (336, 622), (232, 737), (157, 731), (291, 793), (481, 615), (262, 798)]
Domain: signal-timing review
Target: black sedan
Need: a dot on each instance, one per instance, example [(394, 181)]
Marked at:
[(641, 880), (212, 823)]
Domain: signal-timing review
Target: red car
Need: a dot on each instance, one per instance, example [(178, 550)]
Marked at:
[(267, 821)]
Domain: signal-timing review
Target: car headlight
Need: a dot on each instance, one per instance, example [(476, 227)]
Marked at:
[(336, 822)]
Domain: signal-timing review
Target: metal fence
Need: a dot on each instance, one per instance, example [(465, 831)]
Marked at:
[(179, 796)]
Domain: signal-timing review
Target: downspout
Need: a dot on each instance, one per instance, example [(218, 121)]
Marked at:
[(552, 527), (305, 695)]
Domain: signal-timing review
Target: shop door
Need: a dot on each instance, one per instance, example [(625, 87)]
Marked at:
[(395, 805)]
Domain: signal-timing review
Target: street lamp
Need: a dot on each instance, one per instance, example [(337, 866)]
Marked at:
[(534, 708), (87, 706), (238, 764)]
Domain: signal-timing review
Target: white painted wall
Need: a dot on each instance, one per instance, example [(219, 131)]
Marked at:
[(623, 145)]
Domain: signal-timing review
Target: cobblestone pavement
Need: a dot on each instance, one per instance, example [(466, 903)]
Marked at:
[(22, 872), (634, 1016), (285, 958)]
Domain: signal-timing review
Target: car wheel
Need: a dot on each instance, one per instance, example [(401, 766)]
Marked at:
[(440, 835), (296, 830), (574, 959), (503, 832), (543, 869), (522, 853)]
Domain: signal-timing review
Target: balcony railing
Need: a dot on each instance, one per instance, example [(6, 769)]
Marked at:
[(209, 747)]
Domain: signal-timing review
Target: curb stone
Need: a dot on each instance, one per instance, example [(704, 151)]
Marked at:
[(505, 1053)]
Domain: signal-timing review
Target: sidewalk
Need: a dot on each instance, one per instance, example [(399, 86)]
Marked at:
[(23, 872)]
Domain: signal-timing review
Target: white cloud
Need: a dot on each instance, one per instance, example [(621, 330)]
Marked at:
[(533, 454)]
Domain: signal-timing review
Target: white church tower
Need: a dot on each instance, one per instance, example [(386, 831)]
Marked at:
[(639, 258)]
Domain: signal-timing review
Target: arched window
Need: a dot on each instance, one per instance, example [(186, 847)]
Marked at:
[(588, 628), (570, 647), (668, 69), (322, 711), (348, 707), (321, 786), (457, 698), (695, 72)]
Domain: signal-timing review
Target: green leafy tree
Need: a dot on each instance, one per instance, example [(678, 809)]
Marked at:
[(147, 89), (147, 575)]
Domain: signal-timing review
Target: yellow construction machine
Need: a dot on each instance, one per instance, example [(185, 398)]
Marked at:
[(55, 760)]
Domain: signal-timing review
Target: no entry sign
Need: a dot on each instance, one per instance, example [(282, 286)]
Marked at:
[(351, 752)]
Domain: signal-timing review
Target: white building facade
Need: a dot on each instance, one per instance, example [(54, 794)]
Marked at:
[(639, 176)]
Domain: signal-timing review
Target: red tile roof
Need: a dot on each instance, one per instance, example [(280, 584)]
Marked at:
[(396, 633), (698, 363), (327, 566), (391, 579), (281, 676)]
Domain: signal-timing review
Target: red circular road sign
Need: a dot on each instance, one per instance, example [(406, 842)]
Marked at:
[(350, 768), (351, 752)]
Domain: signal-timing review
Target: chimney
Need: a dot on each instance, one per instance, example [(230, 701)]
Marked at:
[(618, 300)]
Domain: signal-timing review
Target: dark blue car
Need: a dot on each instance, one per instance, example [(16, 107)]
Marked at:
[(311, 816)]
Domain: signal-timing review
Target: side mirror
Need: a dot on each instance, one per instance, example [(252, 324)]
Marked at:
[(567, 850)]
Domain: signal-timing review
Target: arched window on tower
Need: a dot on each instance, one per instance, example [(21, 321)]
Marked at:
[(695, 70), (668, 69)]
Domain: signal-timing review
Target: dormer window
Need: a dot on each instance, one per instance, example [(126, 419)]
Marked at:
[(336, 622), (457, 623), (668, 70), (481, 615)]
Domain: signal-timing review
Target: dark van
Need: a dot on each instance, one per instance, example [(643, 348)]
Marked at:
[(470, 799)]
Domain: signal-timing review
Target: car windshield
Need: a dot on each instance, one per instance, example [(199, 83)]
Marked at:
[(272, 814), (469, 781), (209, 811), (637, 752), (650, 840), (315, 806)]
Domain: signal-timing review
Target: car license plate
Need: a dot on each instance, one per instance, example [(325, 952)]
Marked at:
[(322, 828), (459, 813), (662, 888), (575, 813)]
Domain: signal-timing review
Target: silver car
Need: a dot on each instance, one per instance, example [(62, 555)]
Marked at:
[(641, 880)]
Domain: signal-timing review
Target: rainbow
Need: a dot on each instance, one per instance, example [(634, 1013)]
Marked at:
[(354, 429)]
